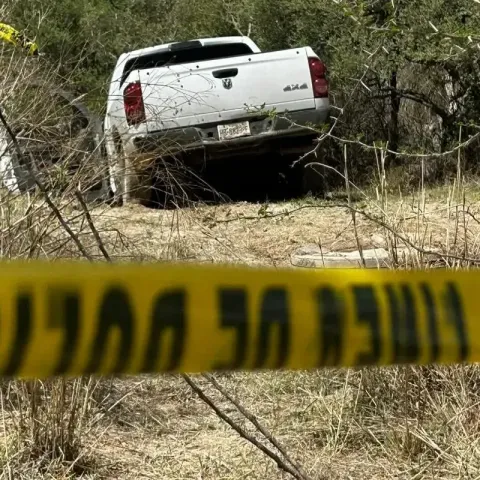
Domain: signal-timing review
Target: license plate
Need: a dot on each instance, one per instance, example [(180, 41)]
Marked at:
[(233, 130)]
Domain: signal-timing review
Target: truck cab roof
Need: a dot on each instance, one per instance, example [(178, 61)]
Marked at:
[(182, 52), (204, 42)]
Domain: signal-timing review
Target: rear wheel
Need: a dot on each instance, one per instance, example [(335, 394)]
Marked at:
[(298, 179), (129, 183), (313, 182), (176, 184), (305, 175)]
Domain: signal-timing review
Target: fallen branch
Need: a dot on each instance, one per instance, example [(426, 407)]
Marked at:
[(94, 230), (371, 218), (282, 465), (254, 421)]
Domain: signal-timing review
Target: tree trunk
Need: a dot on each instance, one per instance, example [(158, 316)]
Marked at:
[(393, 133)]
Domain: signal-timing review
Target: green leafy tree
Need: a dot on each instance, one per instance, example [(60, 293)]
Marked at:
[(399, 70)]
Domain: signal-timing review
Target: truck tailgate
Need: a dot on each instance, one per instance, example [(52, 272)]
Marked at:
[(226, 89)]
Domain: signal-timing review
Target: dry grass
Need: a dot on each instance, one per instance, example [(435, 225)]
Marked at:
[(267, 234), (375, 423), (391, 423)]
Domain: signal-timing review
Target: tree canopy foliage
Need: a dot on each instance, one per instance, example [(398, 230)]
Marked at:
[(402, 72)]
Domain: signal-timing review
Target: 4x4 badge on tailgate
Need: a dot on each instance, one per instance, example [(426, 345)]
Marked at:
[(227, 83), (291, 88)]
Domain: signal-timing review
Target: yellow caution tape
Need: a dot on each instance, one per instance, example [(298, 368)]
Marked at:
[(72, 319), (13, 36)]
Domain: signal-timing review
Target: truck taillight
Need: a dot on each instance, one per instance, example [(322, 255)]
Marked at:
[(133, 103), (318, 73)]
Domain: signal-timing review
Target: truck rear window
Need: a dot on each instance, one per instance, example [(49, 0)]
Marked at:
[(191, 55)]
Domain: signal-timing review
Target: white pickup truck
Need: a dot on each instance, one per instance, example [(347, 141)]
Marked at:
[(214, 96)]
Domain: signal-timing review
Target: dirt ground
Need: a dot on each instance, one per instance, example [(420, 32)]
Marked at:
[(268, 234)]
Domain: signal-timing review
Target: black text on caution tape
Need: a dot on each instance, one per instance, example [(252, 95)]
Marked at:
[(393, 315)]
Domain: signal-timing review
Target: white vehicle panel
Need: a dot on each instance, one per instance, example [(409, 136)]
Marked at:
[(225, 89)]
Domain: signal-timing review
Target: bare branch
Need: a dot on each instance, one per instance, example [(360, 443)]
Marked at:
[(253, 419), (282, 465), (42, 188), (94, 230)]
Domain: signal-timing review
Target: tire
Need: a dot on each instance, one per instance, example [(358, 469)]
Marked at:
[(114, 179), (128, 183), (175, 185), (312, 180), (293, 172)]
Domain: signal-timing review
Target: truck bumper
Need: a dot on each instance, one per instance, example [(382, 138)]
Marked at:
[(290, 133)]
